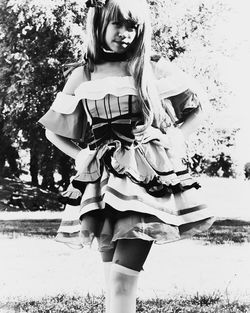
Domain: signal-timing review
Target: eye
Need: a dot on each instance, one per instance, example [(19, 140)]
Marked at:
[(130, 25), (117, 23)]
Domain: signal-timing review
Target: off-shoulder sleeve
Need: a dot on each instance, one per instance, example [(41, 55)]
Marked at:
[(66, 117), (181, 95), (185, 104), (170, 79)]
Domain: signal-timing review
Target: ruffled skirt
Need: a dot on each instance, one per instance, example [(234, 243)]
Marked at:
[(126, 192)]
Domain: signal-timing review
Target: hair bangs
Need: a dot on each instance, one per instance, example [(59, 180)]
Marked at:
[(120, 10)]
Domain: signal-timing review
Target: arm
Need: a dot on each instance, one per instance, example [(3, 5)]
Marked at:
[(192, 123), (197, 118), (62, 143), (188, 103)]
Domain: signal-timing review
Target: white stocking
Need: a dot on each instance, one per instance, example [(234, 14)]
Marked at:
[(123, 288), (107, 267)]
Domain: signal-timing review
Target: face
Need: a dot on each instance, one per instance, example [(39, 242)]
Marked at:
[(120, 35)]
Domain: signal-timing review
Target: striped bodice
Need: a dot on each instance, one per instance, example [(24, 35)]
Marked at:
[(111, 106), (112, 117)]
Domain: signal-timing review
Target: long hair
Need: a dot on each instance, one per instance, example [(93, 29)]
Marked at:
[(139, 65)]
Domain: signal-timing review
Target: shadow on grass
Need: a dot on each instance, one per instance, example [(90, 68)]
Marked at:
[(16, 195), (213, 303), (36, 228), (226, 231), (222, 231)]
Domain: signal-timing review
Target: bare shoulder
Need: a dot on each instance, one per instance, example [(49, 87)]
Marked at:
[(77, 77)]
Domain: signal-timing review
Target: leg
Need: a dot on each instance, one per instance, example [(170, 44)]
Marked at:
[(107, 257), (128, 259)]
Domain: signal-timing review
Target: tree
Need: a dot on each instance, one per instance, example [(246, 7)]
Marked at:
[(186, 33), (37, 39)]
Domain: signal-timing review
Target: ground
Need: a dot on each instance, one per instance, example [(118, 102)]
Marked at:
[(36, 266)]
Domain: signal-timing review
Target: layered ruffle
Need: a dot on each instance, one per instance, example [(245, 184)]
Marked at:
[(154, 163), (110, 225), (69, 117), (129, 186), (117, 86), (185, 104), (132, 192), (66, 117)]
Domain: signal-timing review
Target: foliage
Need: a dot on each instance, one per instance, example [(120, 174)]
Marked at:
[(220, 165), (37, 37), (185, 32), (198, 303), (211, 151)]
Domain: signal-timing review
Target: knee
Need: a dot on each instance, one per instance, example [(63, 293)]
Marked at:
[(123, 283)]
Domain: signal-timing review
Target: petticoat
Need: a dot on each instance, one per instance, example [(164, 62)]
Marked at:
[(143, 191), (129, 186)]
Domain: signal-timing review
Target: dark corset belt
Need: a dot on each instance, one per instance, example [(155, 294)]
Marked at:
[(120, 128)]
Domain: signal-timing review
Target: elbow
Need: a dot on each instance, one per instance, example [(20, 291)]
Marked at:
[(192, 124), (199, 118)]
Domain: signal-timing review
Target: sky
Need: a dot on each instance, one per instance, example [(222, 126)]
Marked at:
[(234, 71)]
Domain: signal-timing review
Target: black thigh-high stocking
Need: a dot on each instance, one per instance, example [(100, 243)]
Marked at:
[(131, 253)]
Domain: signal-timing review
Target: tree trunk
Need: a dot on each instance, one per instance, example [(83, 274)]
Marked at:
[(2, 163), (12, 157), (48, 168), (34, 164), (65, 170)]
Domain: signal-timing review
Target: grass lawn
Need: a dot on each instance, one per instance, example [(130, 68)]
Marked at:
[(222, 231), (189, 276), (75, 304), (207, 274)]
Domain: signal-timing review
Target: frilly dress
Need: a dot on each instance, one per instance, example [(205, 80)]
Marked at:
[(132, 185)]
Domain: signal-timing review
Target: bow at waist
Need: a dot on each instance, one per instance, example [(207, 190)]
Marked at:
[(116, 128)]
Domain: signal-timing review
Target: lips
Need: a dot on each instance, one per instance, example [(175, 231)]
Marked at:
[(122, 42)]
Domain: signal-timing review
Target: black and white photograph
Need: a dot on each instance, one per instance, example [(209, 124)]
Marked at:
[(124, 156)]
